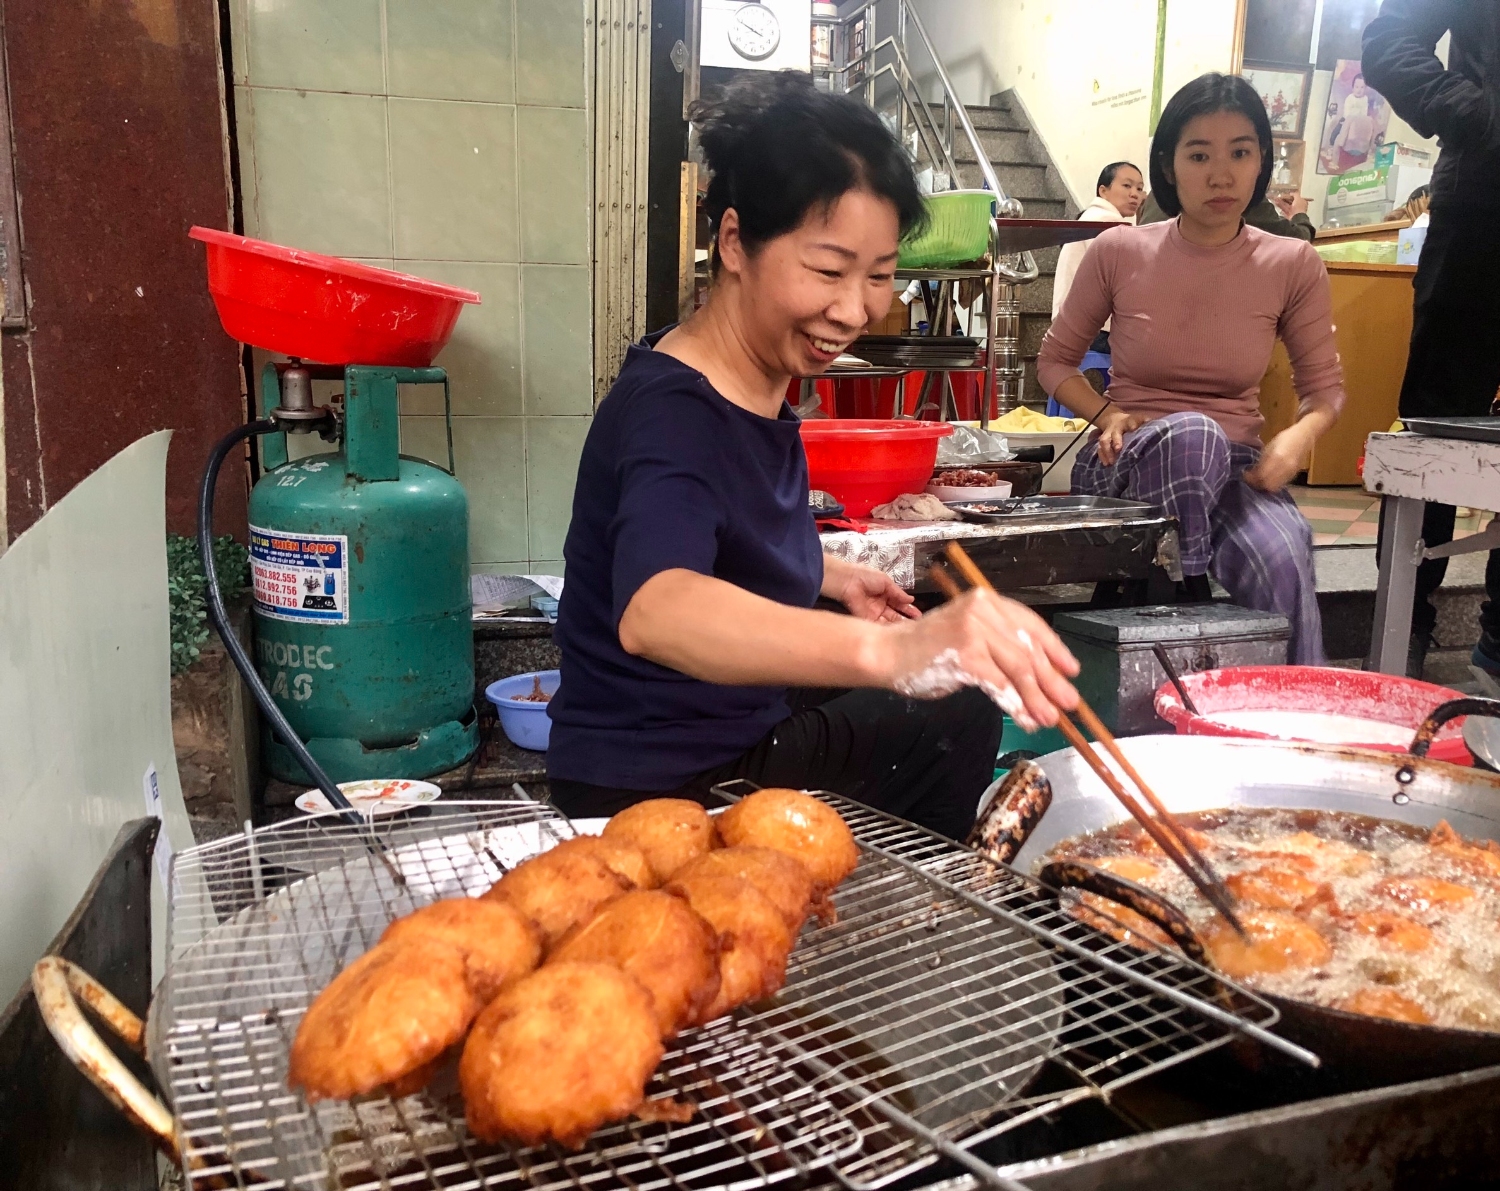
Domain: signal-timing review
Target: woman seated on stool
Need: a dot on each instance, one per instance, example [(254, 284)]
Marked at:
[(1117, 197), (1197, 303), (693, 560)]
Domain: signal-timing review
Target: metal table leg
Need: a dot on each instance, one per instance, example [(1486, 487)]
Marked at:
[(1400, 551)]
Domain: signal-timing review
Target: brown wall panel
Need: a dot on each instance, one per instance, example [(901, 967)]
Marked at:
[(118, 146)]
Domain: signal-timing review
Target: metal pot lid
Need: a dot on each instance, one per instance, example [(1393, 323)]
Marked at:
[(1482, 735)]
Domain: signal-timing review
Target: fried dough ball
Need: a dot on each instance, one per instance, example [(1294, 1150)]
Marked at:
[(559, 1053), (1423, 893), (1334, 857), (783, 879), (623, 857), (1394, 930), (662, 942), (499, 943), (1278, 942), (559, 889), (1141, 842), (1273, 887), (797, 824), (388, 1014), (1132, 868), (755, 938), (1482, 859), (670, 831), (1384, 1002)]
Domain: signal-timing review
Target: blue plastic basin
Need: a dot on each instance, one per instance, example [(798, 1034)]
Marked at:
[(525, 723)]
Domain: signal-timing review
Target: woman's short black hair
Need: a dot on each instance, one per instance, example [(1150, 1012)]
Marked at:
[(1205, 95), (777, 147), (1107, 174)]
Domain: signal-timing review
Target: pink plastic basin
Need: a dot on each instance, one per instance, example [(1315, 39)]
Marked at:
[(325, 309), (866, 462), (1290, 690)]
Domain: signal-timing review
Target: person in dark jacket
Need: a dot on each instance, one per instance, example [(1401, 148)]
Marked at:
[(1453, 369), (1280, 219)]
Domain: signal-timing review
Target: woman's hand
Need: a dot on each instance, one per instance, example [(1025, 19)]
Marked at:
[(1286, 454), (1114, 424), (1279, 462), (985, 640), (867, 593)]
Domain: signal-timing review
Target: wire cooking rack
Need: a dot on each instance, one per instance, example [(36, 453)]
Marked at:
[(909, 1030)]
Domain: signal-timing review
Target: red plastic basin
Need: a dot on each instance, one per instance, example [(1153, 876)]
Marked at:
[(865, 462), (324, 309), (1297, 690)]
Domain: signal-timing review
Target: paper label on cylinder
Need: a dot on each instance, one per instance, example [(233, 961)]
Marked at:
[(300, 577)]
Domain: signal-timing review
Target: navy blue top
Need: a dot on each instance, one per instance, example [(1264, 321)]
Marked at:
[(673, 476)]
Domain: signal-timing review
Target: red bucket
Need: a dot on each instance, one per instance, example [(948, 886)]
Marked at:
[(324, 309), (865, 462), (1299, 703)]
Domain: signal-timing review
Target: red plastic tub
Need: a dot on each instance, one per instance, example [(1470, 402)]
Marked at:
[(865, 462), (324, 309), (1302, 696)]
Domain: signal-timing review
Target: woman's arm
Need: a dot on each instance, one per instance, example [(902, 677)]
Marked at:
[(866, 592), (1306, 327), (1085, 311), (717, 632)]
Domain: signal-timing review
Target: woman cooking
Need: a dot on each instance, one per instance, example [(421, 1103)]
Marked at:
[(693, 560), (1197, 303)]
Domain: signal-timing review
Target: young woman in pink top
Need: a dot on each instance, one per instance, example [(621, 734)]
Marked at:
[(1197, 303)]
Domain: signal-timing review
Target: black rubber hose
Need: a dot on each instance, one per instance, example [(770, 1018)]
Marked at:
[(220, 620)]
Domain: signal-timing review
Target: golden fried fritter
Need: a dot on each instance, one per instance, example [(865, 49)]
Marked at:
[(797, 824), (620, 855), (499, 943), (662, 942), (558, 1054), (1277, 942), (755, 938), (781, 878), (389, 1013), (559, 889), (1384, 1002), (670, 831)]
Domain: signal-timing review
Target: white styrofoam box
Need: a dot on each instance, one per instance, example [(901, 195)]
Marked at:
[(1060, 478)]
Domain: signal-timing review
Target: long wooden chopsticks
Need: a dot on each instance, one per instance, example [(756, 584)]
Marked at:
[(1168, 834)]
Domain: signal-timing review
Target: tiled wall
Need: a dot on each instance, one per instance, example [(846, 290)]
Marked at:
[(446, 138)]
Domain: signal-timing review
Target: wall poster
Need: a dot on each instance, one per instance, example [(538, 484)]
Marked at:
[(1354, 121)]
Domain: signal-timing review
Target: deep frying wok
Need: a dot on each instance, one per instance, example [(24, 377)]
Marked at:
[(1039, 804)]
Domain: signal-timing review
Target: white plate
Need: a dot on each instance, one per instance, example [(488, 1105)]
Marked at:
[(946, 492), (376, 796)]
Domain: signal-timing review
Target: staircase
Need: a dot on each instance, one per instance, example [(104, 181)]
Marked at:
[(1027, 173)]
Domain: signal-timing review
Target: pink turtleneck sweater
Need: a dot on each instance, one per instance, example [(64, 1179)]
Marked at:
[(1193, 327)]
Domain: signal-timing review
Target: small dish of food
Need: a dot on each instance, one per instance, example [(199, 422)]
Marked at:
[(968, 483)]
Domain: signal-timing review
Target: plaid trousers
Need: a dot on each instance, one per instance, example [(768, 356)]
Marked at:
[(1256, 544)]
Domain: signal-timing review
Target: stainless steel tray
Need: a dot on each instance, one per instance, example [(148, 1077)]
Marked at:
[(1029, 509)]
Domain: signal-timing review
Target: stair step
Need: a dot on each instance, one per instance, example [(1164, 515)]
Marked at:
[(999, 145), (997, 119), (1025, 182)]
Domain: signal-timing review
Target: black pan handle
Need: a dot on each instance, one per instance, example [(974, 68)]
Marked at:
[(1075, 874), (1012, 815), (1444, 712)]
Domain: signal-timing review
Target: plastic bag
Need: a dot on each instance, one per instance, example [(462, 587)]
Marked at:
[(969, 444)]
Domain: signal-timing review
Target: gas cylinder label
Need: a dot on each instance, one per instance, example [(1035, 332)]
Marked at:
[(301, 578)]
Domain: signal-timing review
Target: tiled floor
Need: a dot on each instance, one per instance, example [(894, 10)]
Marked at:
[(1351, 516)]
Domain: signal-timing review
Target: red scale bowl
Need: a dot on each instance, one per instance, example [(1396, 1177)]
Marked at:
[(865, 462), (324, 309)]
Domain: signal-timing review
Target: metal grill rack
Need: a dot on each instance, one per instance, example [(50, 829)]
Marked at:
[(910, 1029)]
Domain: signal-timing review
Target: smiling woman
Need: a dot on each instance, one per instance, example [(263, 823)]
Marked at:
[(693, 560)]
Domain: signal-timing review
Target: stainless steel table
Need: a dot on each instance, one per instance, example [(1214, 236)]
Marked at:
[(1407, 471)]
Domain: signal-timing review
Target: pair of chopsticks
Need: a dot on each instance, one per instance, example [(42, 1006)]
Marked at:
[(1161, 827)]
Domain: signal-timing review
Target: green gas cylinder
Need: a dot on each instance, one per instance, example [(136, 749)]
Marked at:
[(362, 614)]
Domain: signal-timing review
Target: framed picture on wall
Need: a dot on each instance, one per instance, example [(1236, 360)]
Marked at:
[(1283, 89)]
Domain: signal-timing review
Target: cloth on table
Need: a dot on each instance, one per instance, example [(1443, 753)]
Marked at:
[(1257, 544), (914, 506)]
